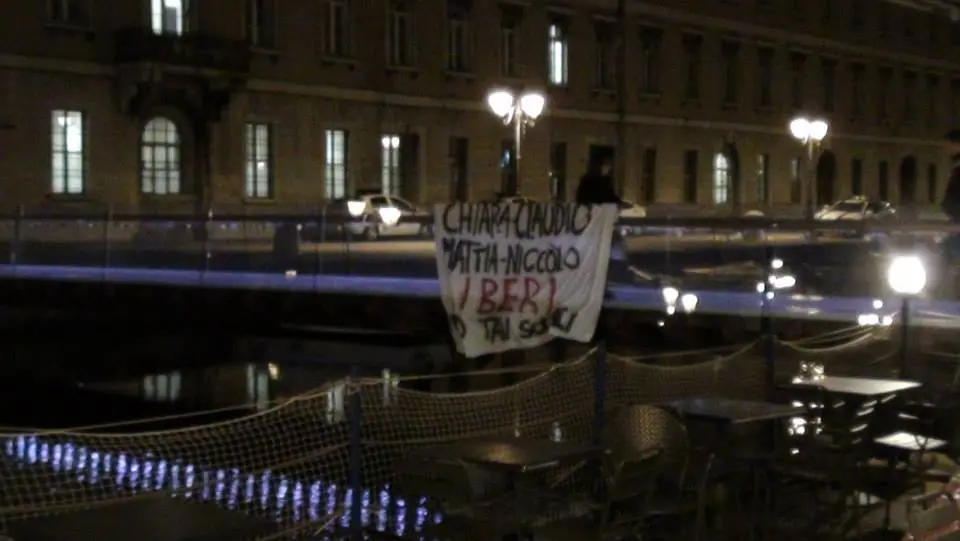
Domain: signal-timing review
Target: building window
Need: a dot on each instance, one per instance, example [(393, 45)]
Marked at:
[(829, 80), (458, 38), (68, 146), (933, 100), (169, 16), (796, 186), (856, 14), (459, 154), (692, 56), (690, 177), (883, 180), (856, 176), (69, 12), (262, 23), (798, 62), (932, 183), (763, 178), (730, 58), (336, 43), (400, 35), (335, 165), (884, 76), (258, 386), (606, 44), (558, 171), (259, 167), (765, 77), (909, 96), (162, 387), (648, 176), (510, 18), (160, 158), (721, 178), (390, 164), (856, 89), (557, 50), (508, 168), (651, 40), (933, 27), (883, 19)]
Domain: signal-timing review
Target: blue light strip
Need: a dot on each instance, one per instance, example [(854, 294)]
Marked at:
[(925, 312)]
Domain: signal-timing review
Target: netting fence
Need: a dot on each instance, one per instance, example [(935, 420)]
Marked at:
[(295, 466)]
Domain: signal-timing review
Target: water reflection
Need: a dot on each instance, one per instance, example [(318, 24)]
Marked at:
[(281, 497)]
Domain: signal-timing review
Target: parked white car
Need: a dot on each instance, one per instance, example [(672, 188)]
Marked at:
[(370, 227), (859, 209), (629, 209)]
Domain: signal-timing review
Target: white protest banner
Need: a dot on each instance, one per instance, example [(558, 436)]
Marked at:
[(517, 275)]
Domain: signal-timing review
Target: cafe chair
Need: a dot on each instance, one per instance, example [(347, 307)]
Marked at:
[(815, 490), (621, 508), (683, 491), (933, 516)]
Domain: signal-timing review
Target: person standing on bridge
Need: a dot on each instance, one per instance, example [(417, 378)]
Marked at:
[(597, 188), (596, 185)]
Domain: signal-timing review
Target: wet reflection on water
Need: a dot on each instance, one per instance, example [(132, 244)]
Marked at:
[(284, 498)]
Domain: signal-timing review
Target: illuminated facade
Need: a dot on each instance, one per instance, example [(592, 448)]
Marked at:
[(170, 104)]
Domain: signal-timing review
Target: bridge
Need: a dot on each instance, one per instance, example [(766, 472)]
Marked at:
[(725, 262)]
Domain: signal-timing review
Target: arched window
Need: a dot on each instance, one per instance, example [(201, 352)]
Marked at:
[(721, 178), (160, 158)]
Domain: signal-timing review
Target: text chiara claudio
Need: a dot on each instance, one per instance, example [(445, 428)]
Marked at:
[(517, 220), (507, 269)]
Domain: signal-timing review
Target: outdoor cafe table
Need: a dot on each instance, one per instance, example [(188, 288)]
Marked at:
[(513, 455), (731, 411), (725, 413), (863, 388)]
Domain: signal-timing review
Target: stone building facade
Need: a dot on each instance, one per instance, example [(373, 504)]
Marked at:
[(183, 104)]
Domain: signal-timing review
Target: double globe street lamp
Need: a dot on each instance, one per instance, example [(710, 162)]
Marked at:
[(810, 132), (520, 111)]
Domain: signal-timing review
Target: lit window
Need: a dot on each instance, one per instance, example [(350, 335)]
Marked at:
[(558, 54), (390, 164), (259, 166), (160, 158), (721, 179), (168, 16), (67, 152), (335, 165), (162, 387)]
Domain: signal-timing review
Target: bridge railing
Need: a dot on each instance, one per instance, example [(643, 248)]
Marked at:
[(315, 247)]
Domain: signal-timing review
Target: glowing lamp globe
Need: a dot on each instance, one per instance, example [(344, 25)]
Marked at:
[(906, 275), (532, 105), (800, 128), (818, 130), (389, 215), (356, 208), (500, 102)]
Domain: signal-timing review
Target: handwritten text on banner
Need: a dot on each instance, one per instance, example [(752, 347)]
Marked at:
[(518, 275)]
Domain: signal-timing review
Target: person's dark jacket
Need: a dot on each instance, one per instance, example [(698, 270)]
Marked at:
[(597, 189), (951, 197)]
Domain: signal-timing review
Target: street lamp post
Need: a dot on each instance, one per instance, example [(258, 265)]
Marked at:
[(907, 277), (810, 132), (521, 111)]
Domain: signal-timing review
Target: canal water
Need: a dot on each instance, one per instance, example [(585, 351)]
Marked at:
[(37, 452)]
